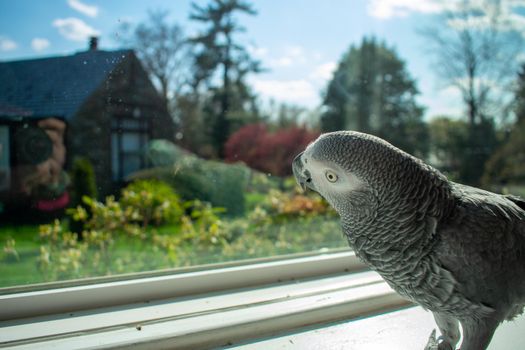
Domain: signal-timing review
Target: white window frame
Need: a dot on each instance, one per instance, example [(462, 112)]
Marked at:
[(326, 300)]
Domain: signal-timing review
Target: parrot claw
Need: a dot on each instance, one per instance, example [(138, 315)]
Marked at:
[(432, 343), (437, 343)]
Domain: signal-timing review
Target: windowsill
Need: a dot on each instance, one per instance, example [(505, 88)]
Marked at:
[(197, 309), (405, 329)]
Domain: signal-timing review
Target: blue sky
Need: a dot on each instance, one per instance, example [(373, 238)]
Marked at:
[(299, 41)]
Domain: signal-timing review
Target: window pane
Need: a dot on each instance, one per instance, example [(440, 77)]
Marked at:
[(144, 153), (131, 163), (130, 124), (131, 142)]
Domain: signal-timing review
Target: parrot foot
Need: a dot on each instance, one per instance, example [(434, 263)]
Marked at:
[(432, 343), (437, 343)]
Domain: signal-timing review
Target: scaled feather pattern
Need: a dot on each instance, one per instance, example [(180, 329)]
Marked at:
[(456, 250)]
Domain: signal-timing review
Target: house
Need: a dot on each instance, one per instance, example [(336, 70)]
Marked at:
[(95, 104)]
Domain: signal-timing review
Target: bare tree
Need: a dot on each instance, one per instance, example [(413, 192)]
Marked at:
[(164, 51), (476, 46)]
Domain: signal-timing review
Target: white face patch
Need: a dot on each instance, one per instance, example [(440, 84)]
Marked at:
[(328, 178)]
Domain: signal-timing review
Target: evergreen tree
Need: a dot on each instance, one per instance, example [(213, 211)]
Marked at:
[(372, 92), (219, 57)]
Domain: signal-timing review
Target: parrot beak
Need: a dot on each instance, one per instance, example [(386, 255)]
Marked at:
[(297, 167)]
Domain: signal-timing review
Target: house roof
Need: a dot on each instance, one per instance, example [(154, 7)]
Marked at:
[(54, 86)]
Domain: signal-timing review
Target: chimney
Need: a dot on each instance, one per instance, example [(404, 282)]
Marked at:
[(93, 43)]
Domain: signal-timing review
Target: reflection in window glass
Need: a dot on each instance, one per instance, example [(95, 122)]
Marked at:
[(151, 151), (115, 157), (5, 170)]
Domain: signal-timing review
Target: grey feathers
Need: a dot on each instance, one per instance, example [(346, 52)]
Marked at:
[(456, 250)]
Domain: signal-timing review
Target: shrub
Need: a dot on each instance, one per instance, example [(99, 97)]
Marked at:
[(60, 253), (163, 152), (83, 180), (286, 205), (228, 184), (143, 206), (244, 145), (268, 152), (83, 184), (222, 185), (155, 202)]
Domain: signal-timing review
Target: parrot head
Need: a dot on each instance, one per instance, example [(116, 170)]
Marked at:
[(357, 172), (331, 166)]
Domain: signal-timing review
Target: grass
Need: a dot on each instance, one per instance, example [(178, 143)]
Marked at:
[(22, 270), (135, 255), (254, 199)]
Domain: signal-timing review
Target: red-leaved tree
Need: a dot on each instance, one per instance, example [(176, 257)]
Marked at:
[(268, 152)]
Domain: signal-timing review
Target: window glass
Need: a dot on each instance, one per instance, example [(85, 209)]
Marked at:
[(115, 156), (5, 169), (131, 141), (131, 162), (139, 136)]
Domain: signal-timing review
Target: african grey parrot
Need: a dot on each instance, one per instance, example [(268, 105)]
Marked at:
[(456, 250)]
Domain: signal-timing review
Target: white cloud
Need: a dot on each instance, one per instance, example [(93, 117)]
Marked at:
[(507, 19), (294, 51), (446, 101), (88, 10), (301, 92), (385, 9), (74, 29), (256, 51), (281, 62), (7, 44), (520, 58), (292, 55), (39, 44), (317, 56), (483, 12), (323, 72)]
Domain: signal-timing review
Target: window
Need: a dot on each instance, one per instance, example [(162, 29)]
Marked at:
[(125, 150), (146, 183), (129, 139)]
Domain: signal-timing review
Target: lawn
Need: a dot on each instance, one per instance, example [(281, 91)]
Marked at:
[(135, 254), (19, 269)]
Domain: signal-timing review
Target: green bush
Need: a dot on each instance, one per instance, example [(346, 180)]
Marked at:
[(83, 185), (259, 182), (83, 180), (145, 208), (163, 152), (228, 185), (222, 185), (155, 202)]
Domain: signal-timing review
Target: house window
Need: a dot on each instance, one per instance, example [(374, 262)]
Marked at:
[(129, 140)]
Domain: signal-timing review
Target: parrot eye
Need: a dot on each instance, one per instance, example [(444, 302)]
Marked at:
[(331, 176)]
